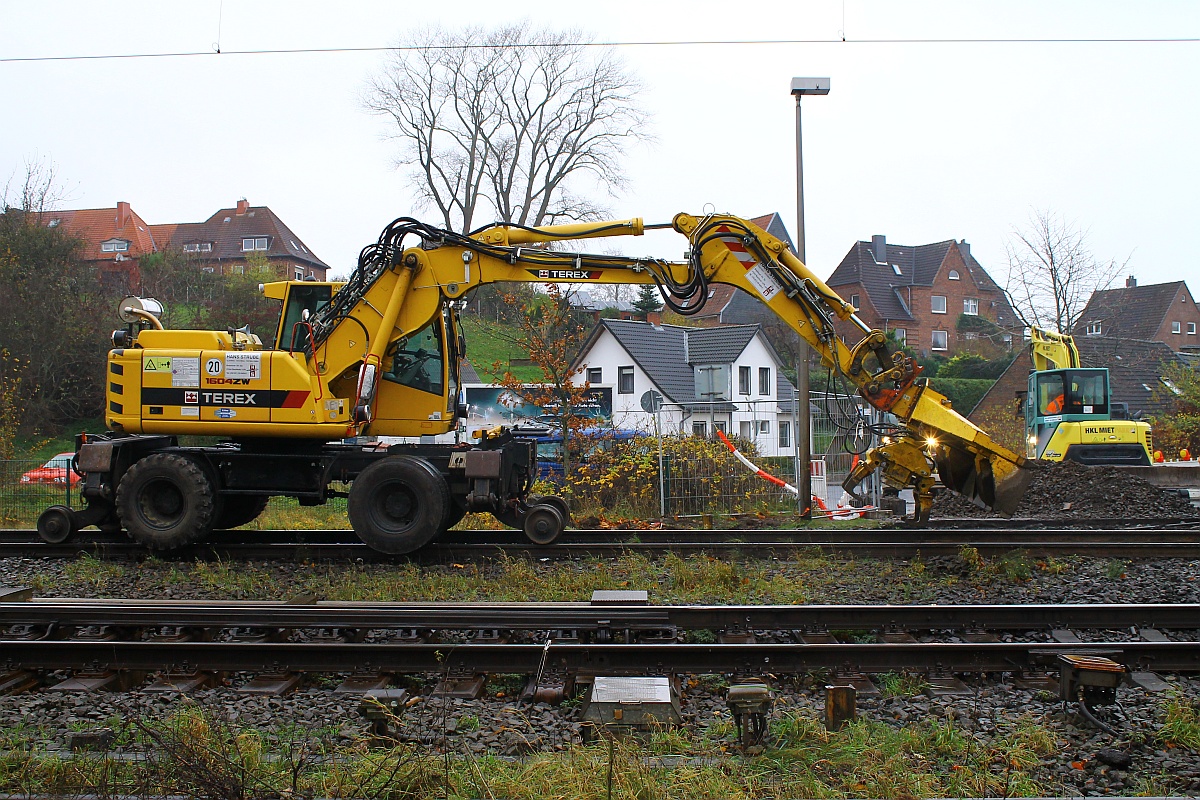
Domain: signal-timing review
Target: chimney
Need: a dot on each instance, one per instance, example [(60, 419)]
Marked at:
[(1130, 282), (123, 214), (243, 206), (965, 249), (654, 317), (879, 246)]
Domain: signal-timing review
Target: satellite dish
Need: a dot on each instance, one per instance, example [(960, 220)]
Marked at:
[(651, 401)]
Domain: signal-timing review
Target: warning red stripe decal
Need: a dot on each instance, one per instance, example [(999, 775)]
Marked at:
[(295, 399)]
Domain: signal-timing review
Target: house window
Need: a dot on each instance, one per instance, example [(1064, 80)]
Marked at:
[(764, 426), (854, 302), (901, 336), (700, 429), (953, 275), (595, 375), (1176, 327), (937, 304), (764, 381), (1007, 339), (896, 269), (785, 434), (238, 269), (114, 246), (971, 306), (939, 340), (625, 380), (1093, 329), (191, 248), (743, 380), (746, 429), (299, 273), (206, 269), (719, 426), (206, 247), (255, 243), (1191, 329)]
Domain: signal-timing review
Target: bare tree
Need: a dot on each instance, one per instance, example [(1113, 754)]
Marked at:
[(39, 190), (1052, 273), (508, 122)]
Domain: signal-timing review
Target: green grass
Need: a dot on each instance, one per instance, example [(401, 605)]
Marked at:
[(193, 753), (490, 342)]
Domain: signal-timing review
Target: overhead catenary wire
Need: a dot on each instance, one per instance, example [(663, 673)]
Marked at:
[(217, 51)]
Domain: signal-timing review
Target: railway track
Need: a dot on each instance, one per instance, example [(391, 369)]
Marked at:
[(1168, 538), (613, 635)]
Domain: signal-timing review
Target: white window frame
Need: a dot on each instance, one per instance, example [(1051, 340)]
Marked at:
[(1094, 329), (764, 426), (1191, 329), (953, 275), (933, 304), (238, 269), (251, 243), (1176, 326), (191, 248), (896, 269), (299, 273), (622, 374), (945, 341), (854, 301), (901, 335), (971, 306), (114, 246)]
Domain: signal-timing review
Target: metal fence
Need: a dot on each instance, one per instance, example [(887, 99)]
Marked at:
[(22, 501), (674, 475)]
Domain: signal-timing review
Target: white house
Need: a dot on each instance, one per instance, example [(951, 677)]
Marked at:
[(725, 378)]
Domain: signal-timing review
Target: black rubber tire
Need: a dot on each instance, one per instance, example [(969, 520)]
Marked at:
[(398, 504), (166, 501), (239, 509), (57, 524)]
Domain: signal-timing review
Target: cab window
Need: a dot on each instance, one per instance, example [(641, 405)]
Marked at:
[(416, 361), (1050, 394), (301, 297)]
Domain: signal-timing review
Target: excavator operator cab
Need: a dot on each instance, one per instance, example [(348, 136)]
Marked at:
[(1055, 396), (301, 299)]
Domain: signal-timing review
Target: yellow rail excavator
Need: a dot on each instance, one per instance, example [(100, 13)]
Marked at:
[(380, 355), (1069, 412)]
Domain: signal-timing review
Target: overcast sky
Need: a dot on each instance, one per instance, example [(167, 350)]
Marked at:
[(920, 141)]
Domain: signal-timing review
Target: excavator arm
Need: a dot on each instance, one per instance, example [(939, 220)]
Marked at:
[(1052, 350), (405, 280)]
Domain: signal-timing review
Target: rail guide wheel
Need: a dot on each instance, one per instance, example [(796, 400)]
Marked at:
[(543, 524), (57, 524)]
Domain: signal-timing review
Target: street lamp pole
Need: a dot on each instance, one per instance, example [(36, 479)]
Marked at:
[(801, 87)]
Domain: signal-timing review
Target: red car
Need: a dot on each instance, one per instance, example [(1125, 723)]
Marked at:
[(55, 472)]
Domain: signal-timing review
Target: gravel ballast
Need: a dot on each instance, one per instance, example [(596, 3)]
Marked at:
[(499, 725)]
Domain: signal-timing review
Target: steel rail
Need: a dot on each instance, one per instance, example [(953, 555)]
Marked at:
[(460, 545), (67, 614), (611, 659)]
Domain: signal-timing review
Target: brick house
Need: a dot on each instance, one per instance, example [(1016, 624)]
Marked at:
[(116, 238), (1161, 312), (936, 297)]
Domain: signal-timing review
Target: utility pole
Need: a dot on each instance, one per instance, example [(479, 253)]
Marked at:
[(801, 87)]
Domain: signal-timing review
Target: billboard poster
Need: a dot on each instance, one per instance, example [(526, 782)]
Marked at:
[(495, 405)]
